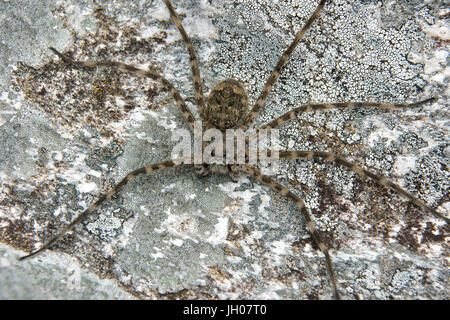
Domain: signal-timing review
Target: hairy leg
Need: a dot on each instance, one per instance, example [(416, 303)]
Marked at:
[(187, 114), (380, 180), (290, 115), (107, 196), (254, 172), (278, 122), (277, 71), (192, 58)]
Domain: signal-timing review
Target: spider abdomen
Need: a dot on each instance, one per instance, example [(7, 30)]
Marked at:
[(227, 104)]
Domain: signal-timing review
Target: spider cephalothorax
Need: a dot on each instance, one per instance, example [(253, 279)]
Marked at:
[(226, 108), (227, 104)]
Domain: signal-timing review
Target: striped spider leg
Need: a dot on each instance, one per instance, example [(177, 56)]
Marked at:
[(284, 191), (214, 113), (259, 104), (187, 114), (252, 171), (107, 196)]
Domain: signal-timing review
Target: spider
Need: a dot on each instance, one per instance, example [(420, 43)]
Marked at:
[(226, 107)]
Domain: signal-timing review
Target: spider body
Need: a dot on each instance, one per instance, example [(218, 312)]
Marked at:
[(227, 107), (227, 104)]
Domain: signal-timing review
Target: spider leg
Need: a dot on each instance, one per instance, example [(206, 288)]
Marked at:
[(290, 115), (345, 105), (252, 171), (107, 196), (276, 72), (192, 58), (380, 180), (187, 114)]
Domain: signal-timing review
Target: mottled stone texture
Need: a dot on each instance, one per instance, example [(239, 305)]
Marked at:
[(68, 134)]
